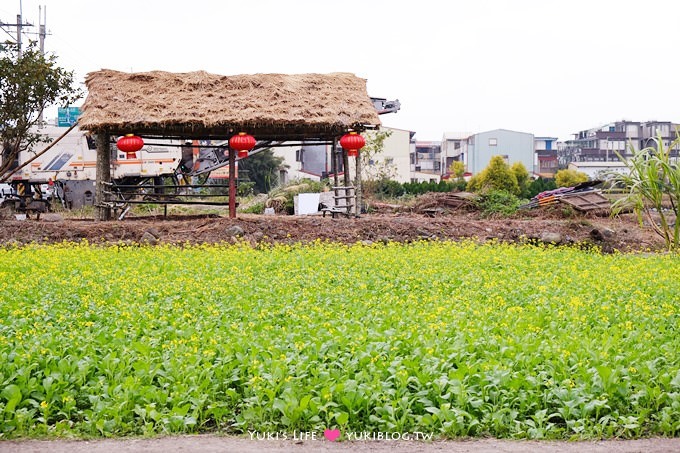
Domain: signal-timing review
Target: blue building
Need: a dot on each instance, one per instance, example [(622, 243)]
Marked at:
[(478, 149)]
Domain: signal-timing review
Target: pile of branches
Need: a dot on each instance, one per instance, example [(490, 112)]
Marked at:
[(445, 202)]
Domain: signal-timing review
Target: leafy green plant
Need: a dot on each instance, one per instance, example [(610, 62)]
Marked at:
[(256, 208), (652, 186), (498, 202), (510, 341)]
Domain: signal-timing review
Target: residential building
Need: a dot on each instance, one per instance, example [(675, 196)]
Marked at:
[(393, 161), (599, 169), (314, 161), (622, 137), (426, 161), (303, 162), (452, 148), (545, 162), (478, 149)]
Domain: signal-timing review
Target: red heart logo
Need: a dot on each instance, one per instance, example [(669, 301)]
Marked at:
[(331, 434)]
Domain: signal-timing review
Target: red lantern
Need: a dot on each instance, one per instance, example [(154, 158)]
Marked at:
[(130, 144), (242, 143), (352, 142)]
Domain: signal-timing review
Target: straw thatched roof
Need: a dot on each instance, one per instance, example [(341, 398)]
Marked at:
[(202, 105)]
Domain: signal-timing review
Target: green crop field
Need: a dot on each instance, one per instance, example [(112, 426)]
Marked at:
[(455, 339)]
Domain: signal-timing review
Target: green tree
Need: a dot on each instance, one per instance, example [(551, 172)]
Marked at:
[(457, 169), (522, 175), (496, 176), (262, 169), (29, 82), (569, 178), (539, 185), (374, 168), (652, 184)]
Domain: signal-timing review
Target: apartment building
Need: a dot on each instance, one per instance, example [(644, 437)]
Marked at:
[(426, 162), (604, 142), (545, 156)]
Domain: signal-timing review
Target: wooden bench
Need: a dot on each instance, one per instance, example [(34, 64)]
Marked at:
[(333, 210)]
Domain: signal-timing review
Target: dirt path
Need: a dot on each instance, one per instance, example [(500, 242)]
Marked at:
[(609, 234), (211, 443)]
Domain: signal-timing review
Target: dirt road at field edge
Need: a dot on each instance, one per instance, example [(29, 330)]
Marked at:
[(212, 443)]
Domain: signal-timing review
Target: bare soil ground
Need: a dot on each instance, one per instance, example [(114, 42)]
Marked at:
[(622, 233), (212, 443)]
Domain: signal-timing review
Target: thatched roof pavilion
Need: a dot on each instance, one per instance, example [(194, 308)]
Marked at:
[(199, 105)]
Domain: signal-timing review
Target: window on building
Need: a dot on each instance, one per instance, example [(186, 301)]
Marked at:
[(298, 155), (493, 142)]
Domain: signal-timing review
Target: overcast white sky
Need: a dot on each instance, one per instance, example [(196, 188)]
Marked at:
[(548, 67)]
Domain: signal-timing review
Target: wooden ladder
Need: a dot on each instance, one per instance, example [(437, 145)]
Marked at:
[(344, 200)]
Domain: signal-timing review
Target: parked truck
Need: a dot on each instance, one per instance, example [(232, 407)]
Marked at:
[(66, 172)]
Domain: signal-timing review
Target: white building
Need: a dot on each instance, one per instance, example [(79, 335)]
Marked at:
[(452, 148), (426, 161), (315, 161), (394, 160), (599, 169)]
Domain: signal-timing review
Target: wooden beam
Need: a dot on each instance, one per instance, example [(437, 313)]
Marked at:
[(357, 184), (103, 178), (232, 183)]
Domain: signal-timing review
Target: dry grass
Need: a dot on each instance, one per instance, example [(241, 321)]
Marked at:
[(199, 104)]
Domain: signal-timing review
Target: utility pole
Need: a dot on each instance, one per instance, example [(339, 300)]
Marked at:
[(42, 31), (19, 26)]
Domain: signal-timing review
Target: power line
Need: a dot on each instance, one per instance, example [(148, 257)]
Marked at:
[(19, 25)]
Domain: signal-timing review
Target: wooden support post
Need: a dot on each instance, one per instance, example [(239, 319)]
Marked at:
[(334, 163), (357, 185), (232, 183), (348, 182), (103, 178), (334, 169), (345, 164)]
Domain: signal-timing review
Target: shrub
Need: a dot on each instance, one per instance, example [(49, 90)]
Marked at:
[(569, 178), (257, 208), (522, 175), (389, 188), (539, 185), (496, 176), (498, 202)]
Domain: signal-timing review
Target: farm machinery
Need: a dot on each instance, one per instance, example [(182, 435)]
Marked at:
[(65, 171)]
